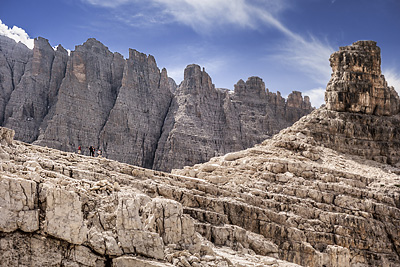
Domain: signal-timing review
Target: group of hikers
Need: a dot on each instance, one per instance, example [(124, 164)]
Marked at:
[(92, 151)]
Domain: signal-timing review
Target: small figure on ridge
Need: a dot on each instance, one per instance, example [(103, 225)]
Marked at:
[(91, 151)]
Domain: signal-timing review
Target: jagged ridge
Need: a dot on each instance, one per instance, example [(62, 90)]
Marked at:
[(131, 109), (294, 198)]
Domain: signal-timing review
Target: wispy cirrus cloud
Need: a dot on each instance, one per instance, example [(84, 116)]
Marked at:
[(306, 54), (201, 16), (107, 3), (17, 34), (392, 77), (205, 15), (317, 96), (310, 56)]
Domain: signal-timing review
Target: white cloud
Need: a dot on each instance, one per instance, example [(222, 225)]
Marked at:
[(393, 78), (201, 15), (309, 56), (206, 14), (17, 34), (306, 54), (317, 96), (107, 3)]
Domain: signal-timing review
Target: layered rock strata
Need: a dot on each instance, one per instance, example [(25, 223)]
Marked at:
[(129, 108), (64, 209), (358, 88), (357, 84), (294, 200), (326, 190), (205, 121)]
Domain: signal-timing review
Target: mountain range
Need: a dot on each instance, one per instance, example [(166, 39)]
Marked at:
[(130, 109)]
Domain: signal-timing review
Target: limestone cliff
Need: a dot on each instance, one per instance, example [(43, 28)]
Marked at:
[(129, 108), (14, 58), (297, 199), (85, 98), (133, 128), (205, 121)]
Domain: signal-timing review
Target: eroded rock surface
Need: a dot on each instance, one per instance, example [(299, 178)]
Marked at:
[(130, 109), (297, 199), (357, 84), (205, 121), (59, 208)]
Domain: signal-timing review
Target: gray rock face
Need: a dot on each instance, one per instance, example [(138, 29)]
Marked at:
[(133, 128), (130, 109), (316, 194), (204, 121), (13, 60), (30, 100), (85, 98)]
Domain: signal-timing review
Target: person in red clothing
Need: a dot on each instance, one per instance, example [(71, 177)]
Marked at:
[(79, 150)]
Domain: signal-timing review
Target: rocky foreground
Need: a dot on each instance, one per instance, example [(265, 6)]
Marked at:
[(324, 192)]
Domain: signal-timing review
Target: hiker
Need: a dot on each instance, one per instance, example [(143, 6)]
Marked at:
[(79, 150), (91, 151), (99, 153)]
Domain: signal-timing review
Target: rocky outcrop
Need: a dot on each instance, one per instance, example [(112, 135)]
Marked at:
[(325, 190), (357, 84), (60, 208), (130, 109)]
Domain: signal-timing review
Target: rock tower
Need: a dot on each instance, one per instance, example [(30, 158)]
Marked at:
[(357, 84)]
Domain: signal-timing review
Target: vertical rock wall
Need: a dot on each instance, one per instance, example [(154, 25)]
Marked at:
[(133, 128), (14, 58), (129, 108), (30, 100), (205, 121), (85, 98)]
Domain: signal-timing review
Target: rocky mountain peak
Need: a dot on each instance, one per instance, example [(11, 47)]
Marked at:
[(323, 192), (295, 99), (357, 84), (40, 41), (254, 87), (94, 46), (61, 49), (196, 79), (129, 108)]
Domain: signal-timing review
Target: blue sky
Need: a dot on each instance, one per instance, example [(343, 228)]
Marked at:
[(285, 42)]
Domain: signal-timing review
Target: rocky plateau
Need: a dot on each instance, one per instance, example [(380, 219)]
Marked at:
[(323, 192)]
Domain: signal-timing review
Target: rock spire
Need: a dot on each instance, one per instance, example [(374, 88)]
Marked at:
[(357, 84)]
